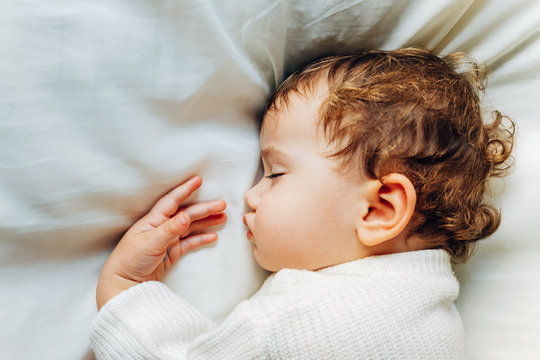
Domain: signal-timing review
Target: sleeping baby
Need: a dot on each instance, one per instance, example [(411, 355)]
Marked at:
[(375, 169)]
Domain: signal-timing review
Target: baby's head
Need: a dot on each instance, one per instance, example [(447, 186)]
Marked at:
[(376, 153)]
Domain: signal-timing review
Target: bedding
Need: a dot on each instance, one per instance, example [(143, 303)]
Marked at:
[(106, 105)]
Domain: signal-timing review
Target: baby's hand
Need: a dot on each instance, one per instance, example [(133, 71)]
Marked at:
[(156, 242)]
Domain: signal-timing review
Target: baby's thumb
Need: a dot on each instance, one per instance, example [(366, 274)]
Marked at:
[(171, 229)]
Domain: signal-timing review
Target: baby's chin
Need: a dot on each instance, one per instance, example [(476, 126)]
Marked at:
[(264, 263), (260, 261)]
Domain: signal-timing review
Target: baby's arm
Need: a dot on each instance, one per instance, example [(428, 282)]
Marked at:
[(156, 242)]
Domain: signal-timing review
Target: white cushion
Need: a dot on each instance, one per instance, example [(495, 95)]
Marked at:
[(105, 106)]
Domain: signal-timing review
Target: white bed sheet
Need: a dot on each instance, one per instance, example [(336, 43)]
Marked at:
[(106, 105)]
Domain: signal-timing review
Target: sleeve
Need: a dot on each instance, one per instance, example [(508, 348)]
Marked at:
[(149, 321)]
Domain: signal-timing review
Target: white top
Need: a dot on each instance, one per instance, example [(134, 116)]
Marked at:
[(397, 306)]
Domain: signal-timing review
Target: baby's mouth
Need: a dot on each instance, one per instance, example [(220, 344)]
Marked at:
[(249, 234)]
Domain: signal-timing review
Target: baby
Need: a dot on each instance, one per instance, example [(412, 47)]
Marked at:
[(376, 165)]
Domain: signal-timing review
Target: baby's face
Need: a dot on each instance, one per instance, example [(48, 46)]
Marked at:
[(303, 209)]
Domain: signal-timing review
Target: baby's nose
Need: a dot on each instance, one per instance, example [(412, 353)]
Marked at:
[(251, 198)]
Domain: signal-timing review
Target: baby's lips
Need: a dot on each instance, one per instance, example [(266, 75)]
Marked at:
[(246, 222), (249, 234)]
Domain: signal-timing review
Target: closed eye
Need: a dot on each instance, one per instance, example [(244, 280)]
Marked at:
[(272, 176)]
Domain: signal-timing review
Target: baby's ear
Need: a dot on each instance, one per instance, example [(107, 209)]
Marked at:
[(386, 210)]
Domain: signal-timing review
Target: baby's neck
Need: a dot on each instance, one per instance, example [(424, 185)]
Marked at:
[(401, 243)]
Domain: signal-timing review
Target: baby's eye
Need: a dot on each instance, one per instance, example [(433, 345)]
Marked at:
[(271, 176)]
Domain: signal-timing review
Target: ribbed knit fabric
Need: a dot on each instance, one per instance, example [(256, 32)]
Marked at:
[(397, 306)]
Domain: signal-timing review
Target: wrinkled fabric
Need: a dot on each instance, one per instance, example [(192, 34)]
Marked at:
[(106, 105)]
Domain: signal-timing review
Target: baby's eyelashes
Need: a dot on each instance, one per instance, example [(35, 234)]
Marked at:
[(274, 175)]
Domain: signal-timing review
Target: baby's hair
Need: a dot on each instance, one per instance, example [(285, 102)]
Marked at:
[(415, 113)]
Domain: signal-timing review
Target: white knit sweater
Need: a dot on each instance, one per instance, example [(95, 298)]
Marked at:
[(397, 306)]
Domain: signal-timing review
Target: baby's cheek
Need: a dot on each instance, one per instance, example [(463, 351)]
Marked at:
[(274, 224), (326, 214)]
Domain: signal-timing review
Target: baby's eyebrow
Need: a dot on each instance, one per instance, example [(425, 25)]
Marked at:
[(273, 152)]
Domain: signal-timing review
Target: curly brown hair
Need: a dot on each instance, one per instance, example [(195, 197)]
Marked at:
[(412, 112)]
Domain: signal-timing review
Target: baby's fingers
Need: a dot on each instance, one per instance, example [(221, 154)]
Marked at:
[(212, 220), (169, 204), (162, 236), (185, 245), (203, 210)]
